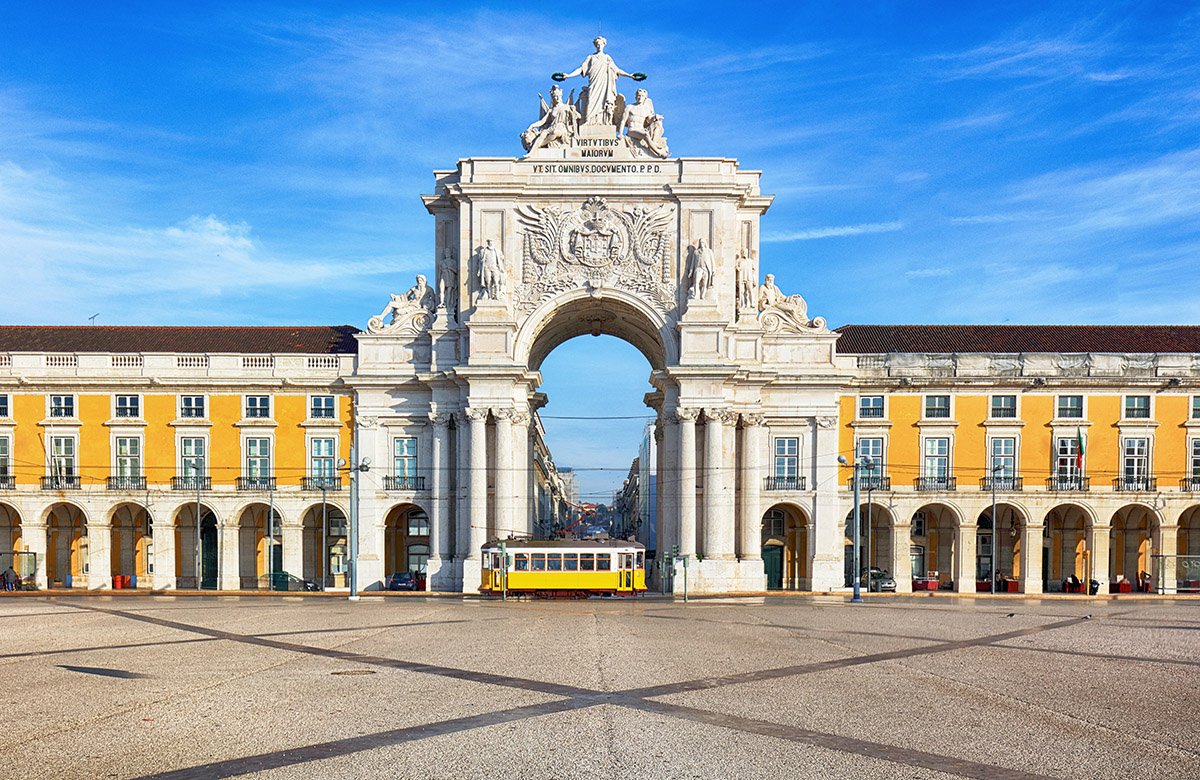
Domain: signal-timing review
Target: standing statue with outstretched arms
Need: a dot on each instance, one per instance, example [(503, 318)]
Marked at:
[(599, 99)]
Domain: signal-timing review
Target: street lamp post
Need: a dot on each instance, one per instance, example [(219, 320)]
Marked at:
[(354, 468), (995, 527), (197, 464), (869, 463)]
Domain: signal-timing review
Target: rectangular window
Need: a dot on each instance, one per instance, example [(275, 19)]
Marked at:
[(129, 456), (521, 562), (322, 463), (62, 456), (553, 562), (870, 407), (191, 406), (587, 562), (62, 406), (128, 406), (1137, 407), (1195, 459), (192, 460), (404, 456), (537, 561), (937, 457), (937, 407), (5, 457), (1004, 407), (1003, 466), (570, 562), (1195, 407), (603, 562), (258, 457), (5, 410), (787, 457), (1136, 458), (1066, 458), (1070, 407), (258, 407), (871, 447), (321, 407)]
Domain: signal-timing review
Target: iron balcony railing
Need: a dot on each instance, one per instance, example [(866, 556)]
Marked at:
[(126, 483), (783, 483), (191, 483), (256, 483), (1002, 484), (8, 482), (403, 483), (320, 483), (935, 484), (1067, 483), (1135, 484), (871, 482), (1190, 484), (61, 482)]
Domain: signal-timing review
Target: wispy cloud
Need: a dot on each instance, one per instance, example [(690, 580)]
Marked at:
[(837, 231)]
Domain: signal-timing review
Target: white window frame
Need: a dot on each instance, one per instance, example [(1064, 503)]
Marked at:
[(878, 470), (184, 458), (117, 456), (270, 457), (1194, 457), (1082, 406), (1016, 407), (50, 406), (1144, 458), (333, 410), (860, 407), (414, 456), (51, 455), (270, 407), (1195, 412), (6, 456), (994, 457), (949, 406), (117, 408), (1059, 455), (785, 458), (203, 407), (925, 456), (1125, 399), (328, 466)]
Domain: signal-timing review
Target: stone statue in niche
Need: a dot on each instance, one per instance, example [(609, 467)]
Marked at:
[(702, 272), (747, 280), (777, 311), (599, 101), (411, 312), (491, 272), (644, 128), (448, 282), (556, 126)]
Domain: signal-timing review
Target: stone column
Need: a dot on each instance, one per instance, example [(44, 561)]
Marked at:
[(521, 517), (1168, 545), (33, 537), (718, 492), (439, 517), (462, 481), (99, 556), (504, 472), (828, 522), (964, 557), (476, 519), (752, 478), (164, 557), (229, 557), (1098, 547), (1031, 558), (901, 563), (292, 537), (686, 481)]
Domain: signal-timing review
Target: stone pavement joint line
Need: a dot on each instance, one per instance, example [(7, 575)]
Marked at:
[(575, 698)]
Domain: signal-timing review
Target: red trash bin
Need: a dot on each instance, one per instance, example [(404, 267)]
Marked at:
[(117, 582)]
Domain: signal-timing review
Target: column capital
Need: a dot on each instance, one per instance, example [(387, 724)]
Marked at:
[(827, 422), (520, 418), (504, 414), (686, 414), (722, 416), (753, 419), (475, 414), (440, 419)]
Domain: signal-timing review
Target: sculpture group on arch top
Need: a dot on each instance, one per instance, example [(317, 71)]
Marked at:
[(594, 245)]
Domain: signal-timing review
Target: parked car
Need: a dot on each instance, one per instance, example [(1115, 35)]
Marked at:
[(402, 580), (878, 581), (282, 580)]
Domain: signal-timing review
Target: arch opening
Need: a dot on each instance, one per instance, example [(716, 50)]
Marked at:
[(615, 314)]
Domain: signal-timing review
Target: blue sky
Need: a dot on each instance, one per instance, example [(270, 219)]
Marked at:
[(259, 163)]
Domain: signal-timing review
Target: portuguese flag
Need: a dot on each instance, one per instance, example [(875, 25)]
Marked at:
[(1079, 450)]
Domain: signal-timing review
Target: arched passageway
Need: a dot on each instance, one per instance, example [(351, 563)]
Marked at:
[(1187, 546), (785, 547), (66, 546), (406, 541), (1065, 550), (197, 548), (876, 539), (326, 546), (935, 545), (12, 545), (1130, 547), (999, 549), (131, 547), (260, 546)]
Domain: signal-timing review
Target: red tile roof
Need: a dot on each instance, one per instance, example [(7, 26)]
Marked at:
[(136, 338), (881, 339)]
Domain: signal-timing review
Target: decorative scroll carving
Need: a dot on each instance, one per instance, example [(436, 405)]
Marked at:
[(594, 246), (785, 313), (411, 313), (685, 414)]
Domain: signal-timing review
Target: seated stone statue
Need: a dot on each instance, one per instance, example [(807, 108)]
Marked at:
[(771, 297), (405, 310), (555, 128), (644, 128)]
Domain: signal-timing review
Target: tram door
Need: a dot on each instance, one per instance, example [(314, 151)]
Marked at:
[(625, 573), (497, 572)]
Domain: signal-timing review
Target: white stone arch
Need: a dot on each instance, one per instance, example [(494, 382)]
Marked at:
[(46, 511), (326, 566), (1156, 515), (618, 313), (178, 509), (395, 558), (1089, 512)]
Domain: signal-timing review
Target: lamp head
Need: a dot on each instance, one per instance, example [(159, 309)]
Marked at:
[(868, 462), (341, 463), (842, 460), (366, 462)]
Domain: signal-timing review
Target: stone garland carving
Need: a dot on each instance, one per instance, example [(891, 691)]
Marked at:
[(410, 313), (778, 312), (594, 245)]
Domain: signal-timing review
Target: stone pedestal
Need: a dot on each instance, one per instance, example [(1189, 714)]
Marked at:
[(1031, 560), (164, 558), (229, 558), (99, 556)]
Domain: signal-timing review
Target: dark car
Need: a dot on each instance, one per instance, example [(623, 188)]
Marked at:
[(879, 581), (282, 580), (402, 580)]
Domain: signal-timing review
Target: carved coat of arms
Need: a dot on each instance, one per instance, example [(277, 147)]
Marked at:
[(597, 245)]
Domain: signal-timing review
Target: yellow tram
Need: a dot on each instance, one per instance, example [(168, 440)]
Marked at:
[(571, 568)]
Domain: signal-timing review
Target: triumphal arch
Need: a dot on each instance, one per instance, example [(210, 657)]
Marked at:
[(598, 229)]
